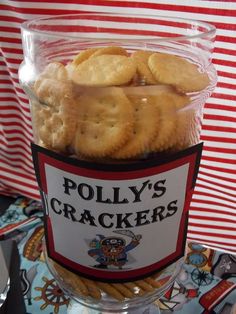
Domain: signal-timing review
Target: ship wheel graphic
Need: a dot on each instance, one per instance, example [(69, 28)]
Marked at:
[(51, 295), (201, 277)]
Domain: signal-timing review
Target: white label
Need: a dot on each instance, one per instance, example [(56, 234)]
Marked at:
[(150, 207), (116, 224)]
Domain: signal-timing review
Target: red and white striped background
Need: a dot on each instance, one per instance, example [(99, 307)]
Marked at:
[(213, 209)]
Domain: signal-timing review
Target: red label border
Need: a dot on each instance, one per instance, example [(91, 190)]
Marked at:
[(191, 157)]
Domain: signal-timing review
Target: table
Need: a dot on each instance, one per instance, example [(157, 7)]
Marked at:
[(206, 283)]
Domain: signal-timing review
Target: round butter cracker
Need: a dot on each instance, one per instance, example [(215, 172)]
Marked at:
[(104, 70), (146, 124), (105, 121), (178, 72), (55, 124)]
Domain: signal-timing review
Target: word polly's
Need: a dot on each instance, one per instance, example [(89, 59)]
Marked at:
[(97, 193)]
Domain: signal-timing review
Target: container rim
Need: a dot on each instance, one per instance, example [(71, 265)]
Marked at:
[(210, 29)]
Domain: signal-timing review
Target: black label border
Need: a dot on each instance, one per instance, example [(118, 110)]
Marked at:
[(135, 165), (152, 161)]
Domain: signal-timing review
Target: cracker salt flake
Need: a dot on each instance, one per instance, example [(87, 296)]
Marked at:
[(178, 72), (146, 124), (105, 121), (145, 75), (104, 70), (110, 50)]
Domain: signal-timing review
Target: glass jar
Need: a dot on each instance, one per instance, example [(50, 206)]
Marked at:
[(114, 97)]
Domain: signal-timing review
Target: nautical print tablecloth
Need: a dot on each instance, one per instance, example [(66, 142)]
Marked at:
[(206, 283)]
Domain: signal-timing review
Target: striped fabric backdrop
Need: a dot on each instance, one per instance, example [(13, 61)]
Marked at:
[(213, 209)]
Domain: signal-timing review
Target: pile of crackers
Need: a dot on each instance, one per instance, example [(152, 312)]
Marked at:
[(114, 105), (88, 288), (109, 104)]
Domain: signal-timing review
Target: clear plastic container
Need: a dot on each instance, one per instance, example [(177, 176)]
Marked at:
[(113, 89)]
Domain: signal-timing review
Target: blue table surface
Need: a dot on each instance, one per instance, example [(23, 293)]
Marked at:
[(206, 283)]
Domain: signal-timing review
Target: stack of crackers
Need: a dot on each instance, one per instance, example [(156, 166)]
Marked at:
[(94, 290), (114, 105), (109, 104)]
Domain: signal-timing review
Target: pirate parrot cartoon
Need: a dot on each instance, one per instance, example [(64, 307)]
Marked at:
[(113, 250)]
